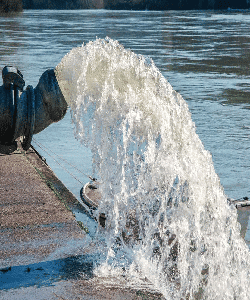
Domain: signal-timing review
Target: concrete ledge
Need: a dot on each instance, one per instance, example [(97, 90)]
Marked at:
[(35, 209)]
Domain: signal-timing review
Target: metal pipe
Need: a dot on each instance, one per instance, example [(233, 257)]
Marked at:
[(24, 113)]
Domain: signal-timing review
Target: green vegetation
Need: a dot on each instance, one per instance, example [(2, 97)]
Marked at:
[(83, 227)]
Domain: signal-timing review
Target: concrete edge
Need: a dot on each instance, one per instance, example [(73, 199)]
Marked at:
[(51, 180)]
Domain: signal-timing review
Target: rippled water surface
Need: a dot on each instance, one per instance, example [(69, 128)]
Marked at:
[(205, 56)]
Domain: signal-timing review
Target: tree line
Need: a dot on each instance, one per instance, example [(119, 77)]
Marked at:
[(176, 4), (18, 5)]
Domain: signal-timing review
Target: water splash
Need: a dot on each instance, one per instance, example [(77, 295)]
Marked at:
[(167, 216)]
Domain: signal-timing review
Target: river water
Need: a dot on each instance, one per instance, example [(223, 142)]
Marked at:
[(204, 55)]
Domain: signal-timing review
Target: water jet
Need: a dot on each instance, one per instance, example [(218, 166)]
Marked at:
[(151, 162)]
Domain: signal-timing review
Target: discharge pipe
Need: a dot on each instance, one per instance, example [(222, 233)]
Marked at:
[(24, 113)]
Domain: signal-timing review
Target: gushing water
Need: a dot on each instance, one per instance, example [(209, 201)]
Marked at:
[(168, 219)]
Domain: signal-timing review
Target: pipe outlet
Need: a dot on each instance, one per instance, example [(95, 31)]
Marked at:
[(24, 113)]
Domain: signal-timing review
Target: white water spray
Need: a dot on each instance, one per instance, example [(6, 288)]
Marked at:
[(167, 216)]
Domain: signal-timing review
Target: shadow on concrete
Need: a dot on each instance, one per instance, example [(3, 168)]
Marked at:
[(8, 149), (46, 273)]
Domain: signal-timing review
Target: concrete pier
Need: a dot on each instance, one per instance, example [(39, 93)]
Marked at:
[(41, 243), (35, 209)]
